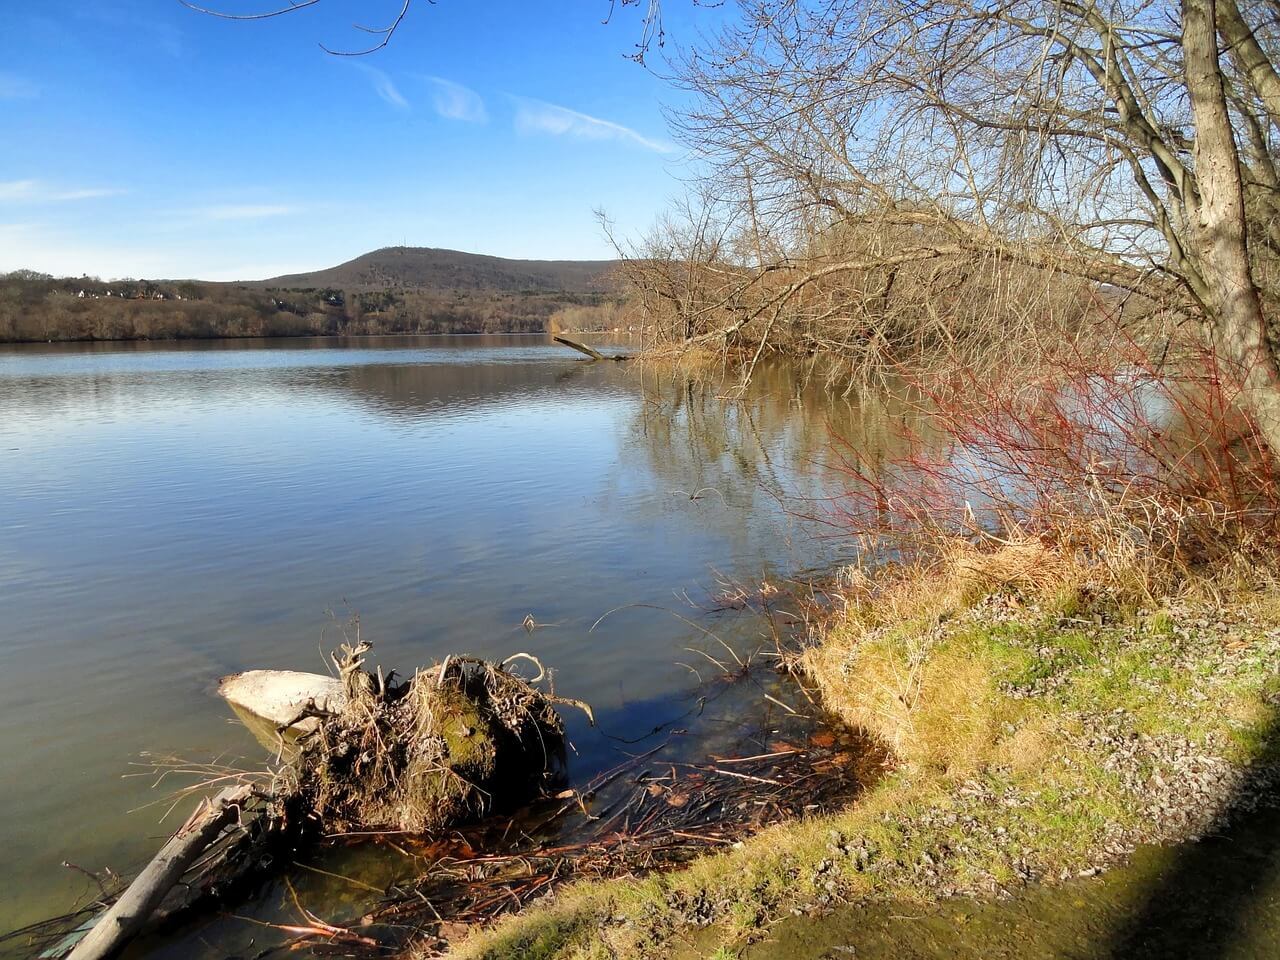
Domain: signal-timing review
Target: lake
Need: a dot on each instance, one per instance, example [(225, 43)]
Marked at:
[(172, 513)]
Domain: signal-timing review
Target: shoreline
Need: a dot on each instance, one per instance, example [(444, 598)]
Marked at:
[(308, 336), (1102, 728)]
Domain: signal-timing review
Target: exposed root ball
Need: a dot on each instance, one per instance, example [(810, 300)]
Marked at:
[(455, 741)]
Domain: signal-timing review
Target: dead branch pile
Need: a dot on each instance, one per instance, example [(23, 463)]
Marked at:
[(654, 811), (864, 303)]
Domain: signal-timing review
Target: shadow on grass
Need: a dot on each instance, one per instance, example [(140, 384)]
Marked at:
[(1218, 897)]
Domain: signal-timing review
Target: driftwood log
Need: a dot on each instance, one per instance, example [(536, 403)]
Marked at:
[(129, 914), (582, 348)]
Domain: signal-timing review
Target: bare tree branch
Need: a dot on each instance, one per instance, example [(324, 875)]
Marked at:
[(292, 8), (386, 33)]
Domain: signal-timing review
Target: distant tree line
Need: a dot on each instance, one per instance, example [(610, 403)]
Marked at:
[(39, 307)]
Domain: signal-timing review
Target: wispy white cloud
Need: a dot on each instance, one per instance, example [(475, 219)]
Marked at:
[(14, 231), (538, 116), (17, 189), (14, 87), (456, 102), (36, 246), (244, 211), (86, 193), (384, 86), (72, 253), (37, 191)]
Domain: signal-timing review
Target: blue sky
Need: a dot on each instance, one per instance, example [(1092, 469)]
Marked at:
[(143, 139)]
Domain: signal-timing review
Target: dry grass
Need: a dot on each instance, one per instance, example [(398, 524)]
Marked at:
[(885, 663), (1011, 715), (959, 571)]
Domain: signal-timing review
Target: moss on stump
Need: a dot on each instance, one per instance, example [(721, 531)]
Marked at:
[(455, 741)]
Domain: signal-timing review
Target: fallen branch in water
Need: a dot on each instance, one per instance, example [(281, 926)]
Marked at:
[(125, 919), (582, 348), (435, 750)]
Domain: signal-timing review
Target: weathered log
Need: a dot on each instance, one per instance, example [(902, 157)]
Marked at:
[(127, 915), (591, 352)]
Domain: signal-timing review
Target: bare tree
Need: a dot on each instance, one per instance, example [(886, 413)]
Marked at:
[(1126, 142)]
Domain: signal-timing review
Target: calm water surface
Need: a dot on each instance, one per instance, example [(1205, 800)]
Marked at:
[(173, 513)]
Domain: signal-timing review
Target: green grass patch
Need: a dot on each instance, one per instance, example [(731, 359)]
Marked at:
[(1012, 735)]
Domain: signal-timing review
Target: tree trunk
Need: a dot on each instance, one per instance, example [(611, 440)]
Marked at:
[(1238, 323), (1244, 45)]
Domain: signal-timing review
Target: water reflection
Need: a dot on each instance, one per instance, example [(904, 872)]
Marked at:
[(173, 514)]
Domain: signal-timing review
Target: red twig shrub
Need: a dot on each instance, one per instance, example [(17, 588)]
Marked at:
[(1102, 453)]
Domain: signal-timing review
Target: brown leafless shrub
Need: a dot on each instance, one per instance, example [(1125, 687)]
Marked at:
[(866, 300)]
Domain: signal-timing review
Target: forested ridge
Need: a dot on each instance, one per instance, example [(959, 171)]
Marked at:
[(393, 291)]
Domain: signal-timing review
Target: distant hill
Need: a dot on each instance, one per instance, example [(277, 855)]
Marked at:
[(426, 268), (393, 290)]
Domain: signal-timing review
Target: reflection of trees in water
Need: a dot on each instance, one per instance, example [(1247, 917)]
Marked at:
[(774, 436), (763, 450), (403, 388), (413, 390), (735, 462)]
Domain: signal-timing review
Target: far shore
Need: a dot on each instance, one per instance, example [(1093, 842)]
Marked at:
[(295, 338)]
